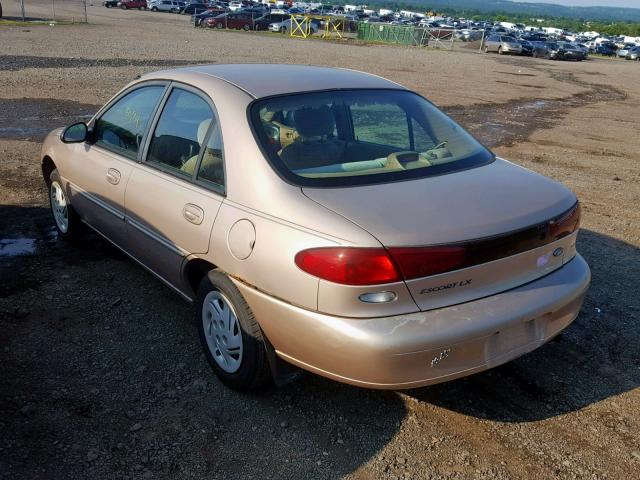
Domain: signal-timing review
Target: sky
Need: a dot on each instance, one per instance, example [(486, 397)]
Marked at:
[(589, 3)]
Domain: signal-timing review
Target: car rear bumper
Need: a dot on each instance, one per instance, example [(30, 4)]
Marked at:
[(423, 348)]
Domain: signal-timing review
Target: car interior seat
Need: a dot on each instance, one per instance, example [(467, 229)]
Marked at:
[(315, 146), (211, 167)]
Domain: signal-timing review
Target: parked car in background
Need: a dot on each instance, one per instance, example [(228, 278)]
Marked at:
[(165, 6), (268, 229), (622, 52), (199, 19), (605, 49), (467, 35), (573, 51), (233, 6), (287, 25), (194, 7), (232, 20), (558, 51), (137, 4), (633, 54), (263, 22), (502, 44), (110, 3), (527, 47)]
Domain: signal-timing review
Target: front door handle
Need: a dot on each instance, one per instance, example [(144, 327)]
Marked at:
[(193, 213), (113, 176)]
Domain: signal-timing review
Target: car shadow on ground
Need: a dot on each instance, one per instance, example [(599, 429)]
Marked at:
[(104, 377), (596, 357), (103, 362)]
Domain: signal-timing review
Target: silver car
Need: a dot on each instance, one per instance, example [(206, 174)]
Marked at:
[(502, 44)]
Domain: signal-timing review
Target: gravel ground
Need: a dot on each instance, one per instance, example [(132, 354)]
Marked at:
[(103, 376)]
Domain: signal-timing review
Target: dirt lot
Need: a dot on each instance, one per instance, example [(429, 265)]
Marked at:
[(102, 373)]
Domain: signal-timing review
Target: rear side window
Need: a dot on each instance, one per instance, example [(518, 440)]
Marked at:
[(121, 128), (180, 133), (355, 137)]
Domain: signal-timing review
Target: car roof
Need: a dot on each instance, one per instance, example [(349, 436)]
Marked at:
[(264, 80)]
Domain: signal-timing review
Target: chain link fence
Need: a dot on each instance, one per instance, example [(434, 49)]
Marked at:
[(47, 10)]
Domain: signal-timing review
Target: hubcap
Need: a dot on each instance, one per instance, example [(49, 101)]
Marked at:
[(222, 331), (59, 207)]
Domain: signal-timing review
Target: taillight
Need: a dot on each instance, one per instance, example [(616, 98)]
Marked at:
[(566, 224), (417, 262), (349, 266)]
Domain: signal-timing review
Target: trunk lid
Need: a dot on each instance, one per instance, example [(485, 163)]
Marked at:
[(494, 200)]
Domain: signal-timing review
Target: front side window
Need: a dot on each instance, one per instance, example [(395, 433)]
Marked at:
[(122, 126), (180, 133), (352, 137)]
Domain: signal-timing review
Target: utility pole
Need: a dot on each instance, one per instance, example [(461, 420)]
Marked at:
[(84, 2), (22, 8)]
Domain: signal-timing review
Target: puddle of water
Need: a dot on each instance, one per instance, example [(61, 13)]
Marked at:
[(16, 247)]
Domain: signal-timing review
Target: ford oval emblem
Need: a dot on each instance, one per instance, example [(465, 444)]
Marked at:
[(558, 251)]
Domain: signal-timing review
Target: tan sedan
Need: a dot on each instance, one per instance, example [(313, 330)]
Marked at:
[(324, 219)]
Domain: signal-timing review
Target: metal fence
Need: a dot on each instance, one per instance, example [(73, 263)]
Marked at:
[(407, 35), (58, 10), (397, 34)]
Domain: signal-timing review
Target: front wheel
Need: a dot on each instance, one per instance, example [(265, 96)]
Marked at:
[(486, 49), (154, 9), (219, 25), (65, 218), (500, 52), (230, 335), (246, 27)]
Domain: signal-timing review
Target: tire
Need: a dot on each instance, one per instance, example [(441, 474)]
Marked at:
[(219, 25), (486, 49), (245, 366), (500, 52), (65, 219), (154, 9), (246, 27)]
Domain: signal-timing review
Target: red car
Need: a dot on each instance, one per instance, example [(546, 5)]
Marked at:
[(139, 4), (238, 21)]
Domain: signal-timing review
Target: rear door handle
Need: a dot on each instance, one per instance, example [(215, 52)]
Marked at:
[(193, 213), (113, 176)]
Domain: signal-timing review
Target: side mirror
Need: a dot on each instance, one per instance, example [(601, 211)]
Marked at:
[(76, 133)]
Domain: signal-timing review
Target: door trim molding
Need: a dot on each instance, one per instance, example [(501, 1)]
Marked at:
[(154, 236)]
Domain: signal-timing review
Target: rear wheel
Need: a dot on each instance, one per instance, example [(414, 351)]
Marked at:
[(486, 49), (231, 338), (500, 51)]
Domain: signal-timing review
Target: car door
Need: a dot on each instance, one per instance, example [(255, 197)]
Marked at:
[(173, 196), (100, 168)]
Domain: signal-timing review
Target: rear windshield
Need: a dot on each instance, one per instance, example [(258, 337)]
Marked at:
[(351, 137)]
